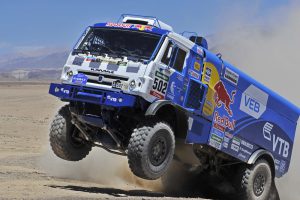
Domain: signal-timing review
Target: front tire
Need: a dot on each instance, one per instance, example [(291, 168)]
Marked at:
[(151, 148), (62, 137), (255, 182)]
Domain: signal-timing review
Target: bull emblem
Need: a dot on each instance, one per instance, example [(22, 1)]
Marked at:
[(222, 97)]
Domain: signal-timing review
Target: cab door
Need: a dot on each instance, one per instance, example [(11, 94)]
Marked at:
[(169, 78)]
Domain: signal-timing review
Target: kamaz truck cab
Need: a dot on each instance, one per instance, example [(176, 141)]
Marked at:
[(137, 88)]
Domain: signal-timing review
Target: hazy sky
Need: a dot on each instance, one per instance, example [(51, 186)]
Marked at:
[(33, 24)]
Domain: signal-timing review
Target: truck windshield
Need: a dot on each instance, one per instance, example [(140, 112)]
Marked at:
[(118, 42)]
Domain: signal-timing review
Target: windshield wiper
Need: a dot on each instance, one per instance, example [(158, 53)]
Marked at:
[(109, 49), (77, 51)]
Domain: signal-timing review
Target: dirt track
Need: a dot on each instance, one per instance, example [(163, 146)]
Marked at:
[(28, 170)]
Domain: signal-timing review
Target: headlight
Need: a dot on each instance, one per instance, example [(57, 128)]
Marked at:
[(70, 73), (132, 85)]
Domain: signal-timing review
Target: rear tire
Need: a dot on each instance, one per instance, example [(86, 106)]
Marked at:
[(62, 140), (151, 148), (255, 182)]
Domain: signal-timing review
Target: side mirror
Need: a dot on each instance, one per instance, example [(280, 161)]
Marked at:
[(170, 52)]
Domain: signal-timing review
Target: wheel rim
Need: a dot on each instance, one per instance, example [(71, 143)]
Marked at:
[(158, 151), (259, 184), (75, 140)]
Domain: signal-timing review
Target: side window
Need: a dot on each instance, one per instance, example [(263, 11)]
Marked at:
[(179, 59), (165, 58)]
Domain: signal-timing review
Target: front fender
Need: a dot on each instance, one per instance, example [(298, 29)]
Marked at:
[(155, 106)]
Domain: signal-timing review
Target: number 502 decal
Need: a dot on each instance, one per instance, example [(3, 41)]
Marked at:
[(160, 85)]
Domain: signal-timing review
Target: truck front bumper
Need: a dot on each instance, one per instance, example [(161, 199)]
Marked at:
[(90, 95)]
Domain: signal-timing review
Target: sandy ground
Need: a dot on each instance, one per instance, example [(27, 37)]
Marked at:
[(29, 170)]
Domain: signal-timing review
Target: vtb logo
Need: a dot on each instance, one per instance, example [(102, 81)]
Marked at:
[(280, 146)]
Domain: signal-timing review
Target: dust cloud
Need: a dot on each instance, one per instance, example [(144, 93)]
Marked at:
[(99, 167), (269, 52)]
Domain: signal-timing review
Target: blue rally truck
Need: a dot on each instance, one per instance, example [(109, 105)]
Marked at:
[(136, 87)]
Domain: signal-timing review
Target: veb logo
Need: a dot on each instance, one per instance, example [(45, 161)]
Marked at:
[(254, 101)]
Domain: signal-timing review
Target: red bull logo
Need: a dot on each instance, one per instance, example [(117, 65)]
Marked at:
[(222, 97), (142, 27), (222, 122)]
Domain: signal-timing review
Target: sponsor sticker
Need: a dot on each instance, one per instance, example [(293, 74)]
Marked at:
[(171, 93), (282, 166), (223, 121), (231, 76), (63, 90), (277, 163), (118, 25), (160, 85), (156, 94), (121, 63), (267, 131), (110, 98), (222, 97), (235, 144), (200, 51), (247, 144), (142, 27), (242, 156), (128, 26), (161, 76), (227, 138), (197, 66), (279, 145), (207, 75), (219, 127), (117, 84), (225, 145), (216, 139), (246, 151), (235, 147), (194, 74), (79, 79), (254, 101), (90, 59)]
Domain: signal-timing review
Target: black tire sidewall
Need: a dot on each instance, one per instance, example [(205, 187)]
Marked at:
[(247, 181), (159, 131), (140, 144), (61, 139)]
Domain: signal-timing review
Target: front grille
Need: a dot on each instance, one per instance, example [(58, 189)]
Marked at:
[(95, 95), (107, 78)]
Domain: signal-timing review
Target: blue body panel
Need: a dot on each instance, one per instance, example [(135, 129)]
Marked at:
[(248, 116)]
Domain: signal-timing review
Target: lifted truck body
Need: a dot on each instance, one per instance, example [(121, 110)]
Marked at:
[(208, 101)]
